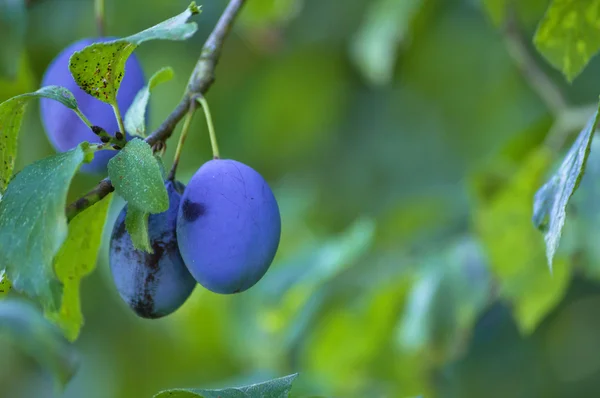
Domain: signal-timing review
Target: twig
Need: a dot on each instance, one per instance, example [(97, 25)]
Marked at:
[(99, 16), (200, 81), (537, 78)]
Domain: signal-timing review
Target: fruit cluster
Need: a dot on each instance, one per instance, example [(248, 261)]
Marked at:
[(221, 231)]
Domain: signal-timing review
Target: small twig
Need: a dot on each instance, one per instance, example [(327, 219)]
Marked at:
[(537, 78), (200, 81), (99, 15), (184, 132), (211, 127)]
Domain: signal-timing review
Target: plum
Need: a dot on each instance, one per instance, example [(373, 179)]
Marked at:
[(64, 128), (152, 284), (228, 226)]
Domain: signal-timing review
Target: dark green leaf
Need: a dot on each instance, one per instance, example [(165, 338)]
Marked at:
[(550, 201), (136, 222), (568, 35), (135, 118), (99, 68), (76, 259), (276, 388), (136, 176), (33, 224), (13, 25), (38, 338), (11, 116), (375, 45)]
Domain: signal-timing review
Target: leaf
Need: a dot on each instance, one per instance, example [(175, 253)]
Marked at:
[(568, 35), (33, 224), (136, 176), (374, 47), (38, 338), (5, 285), (76, 259), (136, 223), (276, 388), (11, 116), (135, 118), (99, 68), (13, 26), (515, 251), (551, 200)]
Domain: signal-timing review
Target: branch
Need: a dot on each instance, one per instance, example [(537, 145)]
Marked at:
[(200, 81), (539, 81)]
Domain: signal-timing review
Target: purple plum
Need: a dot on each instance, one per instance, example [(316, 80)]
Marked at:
[(228, 226), (63, 127), (152, 284)]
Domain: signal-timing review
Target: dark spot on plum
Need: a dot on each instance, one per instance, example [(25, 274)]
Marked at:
[(192, 211)]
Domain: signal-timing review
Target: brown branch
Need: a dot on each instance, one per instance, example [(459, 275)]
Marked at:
[(200, 81)]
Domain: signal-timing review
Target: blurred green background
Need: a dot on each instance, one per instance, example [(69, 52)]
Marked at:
[(404, 148)]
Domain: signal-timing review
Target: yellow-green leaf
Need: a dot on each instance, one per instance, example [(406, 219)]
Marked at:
[(568, 36), (5, 284), (516, 250), (99, 68), (76, 259)]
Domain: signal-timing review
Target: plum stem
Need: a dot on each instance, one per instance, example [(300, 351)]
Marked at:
[(99, 12), (83, 117), (201, 79), (119, 119), (211, 128), (184, 132)]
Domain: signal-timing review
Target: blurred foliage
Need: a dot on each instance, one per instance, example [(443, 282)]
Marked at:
[(405, 149)]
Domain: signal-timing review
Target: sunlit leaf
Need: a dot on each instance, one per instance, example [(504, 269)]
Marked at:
[(568, 35), (24, 325), (11, 117), (550, 201), (76, 259), (276, 388), (136, 176), (374, 48), (5, 285), (33, 224), (135, 118), (99, 68)]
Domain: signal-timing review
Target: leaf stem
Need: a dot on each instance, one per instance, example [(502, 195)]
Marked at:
[(184, 132), (83, 117), (99, 13), (211, 128), (119, 119)]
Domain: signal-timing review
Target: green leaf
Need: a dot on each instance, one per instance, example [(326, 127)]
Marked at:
[(13, 26), (276, 388), (136, 223), (11, 116), (27, 328), (5, 285), (99, 68), (551, 200), (135, 118), (374, 47), (76, 259), (33, 224), (136, 176), (514, 248), (568, 35)]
